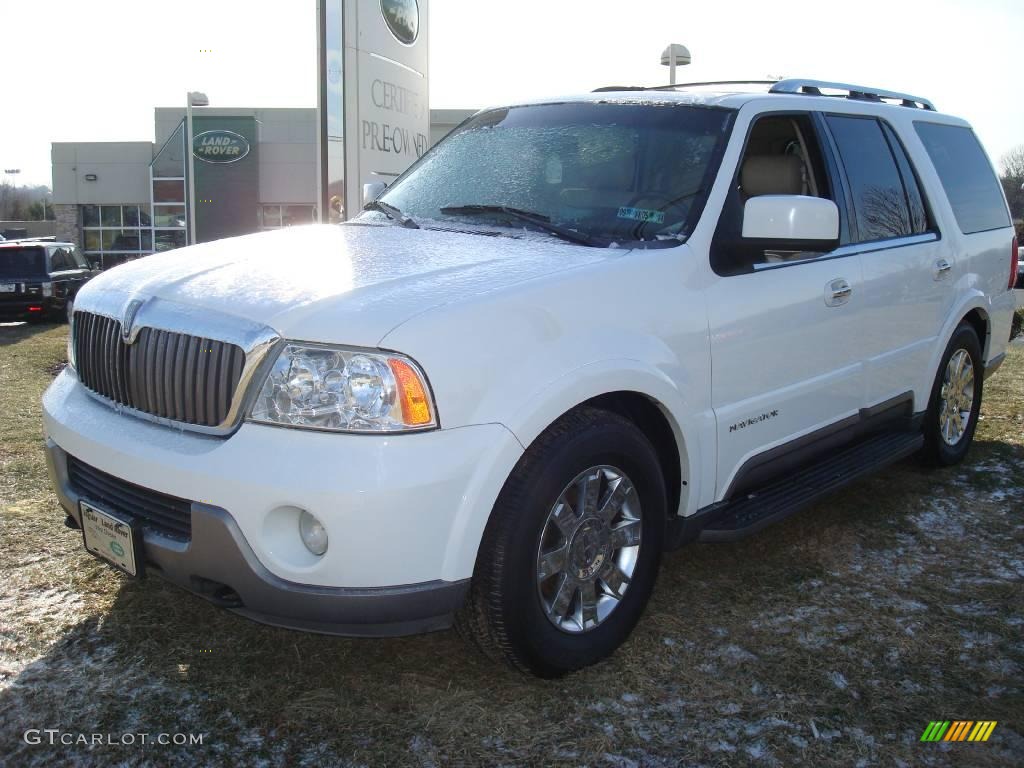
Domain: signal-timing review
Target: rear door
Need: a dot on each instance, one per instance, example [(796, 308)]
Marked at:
[(909, 270)]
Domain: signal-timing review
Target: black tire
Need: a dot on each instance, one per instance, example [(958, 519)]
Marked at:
[(503, 614), (937, 451)]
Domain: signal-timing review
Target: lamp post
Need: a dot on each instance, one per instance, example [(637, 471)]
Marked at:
[(673, 56), (194, 99)]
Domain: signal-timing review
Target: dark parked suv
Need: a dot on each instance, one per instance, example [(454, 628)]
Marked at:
[(40, 279)]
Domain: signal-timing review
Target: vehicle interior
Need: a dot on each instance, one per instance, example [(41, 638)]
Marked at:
[(781, 157)]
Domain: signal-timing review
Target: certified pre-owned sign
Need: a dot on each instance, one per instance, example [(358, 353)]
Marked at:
[(402, 18), (220, 146)]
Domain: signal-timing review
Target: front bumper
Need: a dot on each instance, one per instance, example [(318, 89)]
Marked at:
[(220, 566), (404, 513)]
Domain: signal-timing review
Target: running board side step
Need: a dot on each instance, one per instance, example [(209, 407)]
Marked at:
[(741, 517)]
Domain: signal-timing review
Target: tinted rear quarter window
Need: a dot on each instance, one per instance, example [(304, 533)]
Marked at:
[(967, 177), (878, 195)]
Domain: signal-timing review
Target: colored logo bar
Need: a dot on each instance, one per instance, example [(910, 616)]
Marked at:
[(958, 730)]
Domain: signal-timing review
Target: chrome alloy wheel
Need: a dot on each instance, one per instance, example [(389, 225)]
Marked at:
[(589, 549), (957, 397)]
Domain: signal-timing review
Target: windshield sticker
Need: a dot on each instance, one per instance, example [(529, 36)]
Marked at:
[(642, 214)]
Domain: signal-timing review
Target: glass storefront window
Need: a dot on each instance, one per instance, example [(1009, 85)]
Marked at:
[(165, 191), (123, 230), (127, 240), (110, 215), (293, 215), (271, 218), (168, 239), (136, 215), (170, 160), (275, 216), (169, 216)]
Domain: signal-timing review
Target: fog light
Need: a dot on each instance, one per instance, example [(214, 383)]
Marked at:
[(313, 533)]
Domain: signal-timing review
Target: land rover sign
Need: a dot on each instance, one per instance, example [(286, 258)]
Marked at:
[(219, 146), (402, 18)]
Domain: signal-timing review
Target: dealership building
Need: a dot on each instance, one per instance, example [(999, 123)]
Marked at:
[(255, 169)]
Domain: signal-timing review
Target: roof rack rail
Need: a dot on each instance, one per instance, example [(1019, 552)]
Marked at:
[(711, 82), (680, 85), (858, 92)]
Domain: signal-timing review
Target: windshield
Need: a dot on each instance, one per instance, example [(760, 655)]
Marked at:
[(22, 262), (611, 172)]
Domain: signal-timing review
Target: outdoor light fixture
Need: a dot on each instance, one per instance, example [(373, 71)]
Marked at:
[(675, 55), (91, 177)]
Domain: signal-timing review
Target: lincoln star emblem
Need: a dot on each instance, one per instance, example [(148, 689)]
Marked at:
[(128, 321)]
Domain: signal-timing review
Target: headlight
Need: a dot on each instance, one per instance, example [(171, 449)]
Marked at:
[(345, 390)]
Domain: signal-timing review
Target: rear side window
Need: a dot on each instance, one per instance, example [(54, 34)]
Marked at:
[(966, 175), (879, 197), (919, 219)]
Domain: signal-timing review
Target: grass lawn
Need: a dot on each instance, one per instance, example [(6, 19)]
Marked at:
[(830, 639)]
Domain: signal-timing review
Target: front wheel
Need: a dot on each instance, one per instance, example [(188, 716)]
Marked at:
[(955, 403), (570, 554)]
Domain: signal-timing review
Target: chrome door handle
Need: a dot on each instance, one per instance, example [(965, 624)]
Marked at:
[(837, 292), (942, 268)]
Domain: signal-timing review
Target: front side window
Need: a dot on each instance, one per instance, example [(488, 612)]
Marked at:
[(967, 177), (879, 198), (60, 261), (622, 173), (782, 156)]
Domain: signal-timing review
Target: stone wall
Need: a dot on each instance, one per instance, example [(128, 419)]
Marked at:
[(67, 224)]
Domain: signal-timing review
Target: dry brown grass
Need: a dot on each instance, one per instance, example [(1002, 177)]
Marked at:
[(831, 639)]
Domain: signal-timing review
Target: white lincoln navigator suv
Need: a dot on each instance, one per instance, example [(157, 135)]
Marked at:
[(575, 334)]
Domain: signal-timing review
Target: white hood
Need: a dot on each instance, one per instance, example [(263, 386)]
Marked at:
[(339, 284)]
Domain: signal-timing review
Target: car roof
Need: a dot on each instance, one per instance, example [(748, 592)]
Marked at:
[(789, 94), (9, 244)]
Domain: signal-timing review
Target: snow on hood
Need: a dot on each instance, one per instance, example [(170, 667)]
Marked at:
[(339, 284)]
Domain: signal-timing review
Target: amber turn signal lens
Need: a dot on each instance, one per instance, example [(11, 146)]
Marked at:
[(411, 394)]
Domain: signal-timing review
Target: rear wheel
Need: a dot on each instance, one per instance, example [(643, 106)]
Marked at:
[(571, 552), (952, 414)]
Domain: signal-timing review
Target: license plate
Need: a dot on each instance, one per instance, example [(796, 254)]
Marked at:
[(8, 287), (113, 539)]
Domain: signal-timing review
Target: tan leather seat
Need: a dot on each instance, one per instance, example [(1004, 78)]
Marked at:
[(772, 175)]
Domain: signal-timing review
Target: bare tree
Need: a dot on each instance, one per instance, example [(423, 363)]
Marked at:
[(1012, 165)]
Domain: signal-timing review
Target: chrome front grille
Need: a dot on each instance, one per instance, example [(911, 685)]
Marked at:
[(175, 376)]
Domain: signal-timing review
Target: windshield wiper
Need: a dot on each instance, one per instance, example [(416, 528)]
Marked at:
[(537, 219), (392, 213)]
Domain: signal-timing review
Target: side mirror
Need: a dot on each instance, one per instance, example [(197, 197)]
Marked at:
[(792, 222), (373, 190)]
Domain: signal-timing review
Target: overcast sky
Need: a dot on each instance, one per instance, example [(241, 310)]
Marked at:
[(93, 71)]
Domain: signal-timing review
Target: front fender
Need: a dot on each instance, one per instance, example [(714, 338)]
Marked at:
[(687, 411)]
